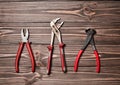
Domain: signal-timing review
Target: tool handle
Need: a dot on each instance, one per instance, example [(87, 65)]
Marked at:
[(50, 48), (97, 61), (77, 60), (31, 56), (61, 46), (18, 56)]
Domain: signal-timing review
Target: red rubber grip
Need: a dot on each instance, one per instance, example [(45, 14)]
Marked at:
[(77, 60), (61, 46), (18, 56), (50, 48), (31, 56), (97, 61)]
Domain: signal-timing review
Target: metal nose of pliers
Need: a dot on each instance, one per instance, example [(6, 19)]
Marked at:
[(24, 35), (53, 23), (90, 31)]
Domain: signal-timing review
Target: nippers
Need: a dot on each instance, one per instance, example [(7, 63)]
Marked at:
[(89, 40), (25, 37), (56, 31)]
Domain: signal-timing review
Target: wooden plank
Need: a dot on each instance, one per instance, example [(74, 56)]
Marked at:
[(103, 16), (42, 70), (67, 24), (79, 76), (70, 49), (78, 14), (54, 82), (75, 40), (88, 58), (105, 31), (20, 81), (105, 62), (77, 37)]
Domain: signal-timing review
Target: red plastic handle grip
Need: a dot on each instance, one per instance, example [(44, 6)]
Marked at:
[(18, 56), (50, 48), (77, 60), (61, 46), (97, 61), (31, 56)]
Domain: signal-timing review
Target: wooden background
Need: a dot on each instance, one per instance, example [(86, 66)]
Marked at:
[(103, 16)]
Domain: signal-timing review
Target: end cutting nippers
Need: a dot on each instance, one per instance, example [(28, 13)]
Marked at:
[(25, 37), (89, 40), (55, 31)]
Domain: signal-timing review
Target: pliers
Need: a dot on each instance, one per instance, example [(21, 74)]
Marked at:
[(25, 37), (55, 31), (89, 40)]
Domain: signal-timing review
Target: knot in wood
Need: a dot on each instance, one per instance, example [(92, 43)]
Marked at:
[(88, 11)]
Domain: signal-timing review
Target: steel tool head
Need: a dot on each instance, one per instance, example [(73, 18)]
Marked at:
[(54, 21), (24, 35), (90, 38), (90, 31), (55, 30)]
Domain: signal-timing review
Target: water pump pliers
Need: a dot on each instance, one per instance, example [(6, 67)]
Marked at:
[(56, 32), (25, 37), (89, 40)]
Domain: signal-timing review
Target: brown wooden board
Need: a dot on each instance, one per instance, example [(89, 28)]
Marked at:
[(103, 16)]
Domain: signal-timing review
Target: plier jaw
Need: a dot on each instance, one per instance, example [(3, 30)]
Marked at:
[(55, 30), (24, 35), (89, 40), (90, 31), (53, 23)]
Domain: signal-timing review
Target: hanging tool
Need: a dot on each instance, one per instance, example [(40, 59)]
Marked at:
[(56, 31), (89, 40), (25, 37)]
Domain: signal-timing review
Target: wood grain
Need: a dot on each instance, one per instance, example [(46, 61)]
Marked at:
[(103, 16)]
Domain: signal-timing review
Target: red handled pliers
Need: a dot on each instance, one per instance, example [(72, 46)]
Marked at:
[(55, 31), (25, 37), (89, 40)]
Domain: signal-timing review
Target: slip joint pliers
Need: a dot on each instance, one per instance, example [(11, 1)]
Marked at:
[(56, 32)]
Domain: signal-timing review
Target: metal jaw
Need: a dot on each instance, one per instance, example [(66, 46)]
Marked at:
[(55, 29), (24, 35), (90, 39), (54, 21)]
